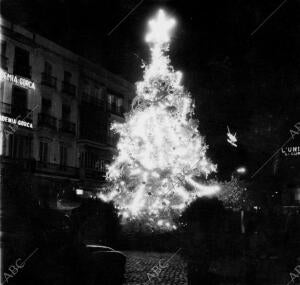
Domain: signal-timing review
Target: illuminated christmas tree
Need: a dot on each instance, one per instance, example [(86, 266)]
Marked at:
[(161, 163)]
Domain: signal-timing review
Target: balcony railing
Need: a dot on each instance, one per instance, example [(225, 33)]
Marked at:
[(22, 70), (112, 140), (27, 164), (49, 80), (97, 136), (67, 127), (68, 88), (58, 169), (96, 101), (45, 120), (92, 173), (15, 111), (4, 61), (115, 109)]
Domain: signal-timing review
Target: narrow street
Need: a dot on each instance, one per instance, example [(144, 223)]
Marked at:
[(140, 268)]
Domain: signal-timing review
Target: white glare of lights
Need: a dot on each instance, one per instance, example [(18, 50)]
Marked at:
[(241, 170), (160, 29), (79, 192)]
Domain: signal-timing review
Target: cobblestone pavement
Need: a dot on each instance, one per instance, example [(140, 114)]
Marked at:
[(152, 268)]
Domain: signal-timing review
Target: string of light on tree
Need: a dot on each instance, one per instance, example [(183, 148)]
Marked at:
[(161, 164)]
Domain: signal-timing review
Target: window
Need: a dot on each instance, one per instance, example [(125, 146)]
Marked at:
[(119, 105), (100, 165), (92, 160), (3, 57), (48, 68), (21, 62), (115, 103), (46, 106), (19, 101), (47, 78), (110, 100), (119, 102), (21, 56), (67, 77), (297, 195), (3, 48), (93, 122), (63, 152), (3, 142), (86, 87), (1, 92), (112, 138), (19, 146), (66, 111), (43, 151), (98, 92)]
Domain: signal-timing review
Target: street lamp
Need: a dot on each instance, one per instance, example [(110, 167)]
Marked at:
[(79, 192), (241, 170)]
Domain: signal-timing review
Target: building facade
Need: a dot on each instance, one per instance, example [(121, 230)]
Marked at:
[(288, 168), (56, 111)]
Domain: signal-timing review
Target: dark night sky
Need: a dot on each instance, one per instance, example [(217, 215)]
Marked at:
[(253, 77), (206, 30)]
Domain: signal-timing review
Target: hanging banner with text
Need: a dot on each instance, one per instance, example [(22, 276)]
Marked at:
[(16, 79), (16, 122)]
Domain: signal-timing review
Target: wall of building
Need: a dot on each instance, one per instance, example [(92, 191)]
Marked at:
[(49, 126)]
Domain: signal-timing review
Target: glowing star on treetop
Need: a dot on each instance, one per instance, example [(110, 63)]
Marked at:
[(161, 162), (160, 29)]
